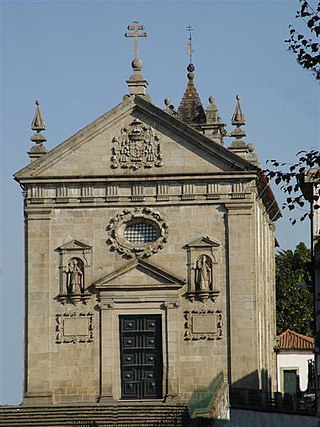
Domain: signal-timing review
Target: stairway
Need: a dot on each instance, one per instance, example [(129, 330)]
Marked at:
[(121, 415)]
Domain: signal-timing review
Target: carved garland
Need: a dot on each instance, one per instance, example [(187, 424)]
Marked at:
[(118, 224), (203, 325), (74, 328), (136, 147)]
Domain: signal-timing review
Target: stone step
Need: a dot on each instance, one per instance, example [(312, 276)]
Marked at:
[(95, 416)]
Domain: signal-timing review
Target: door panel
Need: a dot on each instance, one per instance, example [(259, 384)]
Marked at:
[(141, 357), (290, 381)]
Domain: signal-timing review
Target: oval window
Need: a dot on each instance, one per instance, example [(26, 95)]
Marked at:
[(140, 233)]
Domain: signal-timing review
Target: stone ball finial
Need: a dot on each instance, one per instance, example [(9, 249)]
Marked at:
[(237, 97), (37, 102), (167, 101), (137, 64), (211, 99)]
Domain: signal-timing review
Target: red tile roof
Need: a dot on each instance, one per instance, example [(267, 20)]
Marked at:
[(290, 340)]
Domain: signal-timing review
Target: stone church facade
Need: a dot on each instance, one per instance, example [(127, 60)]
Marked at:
[(149, 256)]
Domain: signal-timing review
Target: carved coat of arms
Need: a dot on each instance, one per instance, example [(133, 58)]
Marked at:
[(137, 146)]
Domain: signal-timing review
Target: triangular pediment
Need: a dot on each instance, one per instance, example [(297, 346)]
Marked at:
[(73, 245), (89, 152), (203, 242), (138, 274)]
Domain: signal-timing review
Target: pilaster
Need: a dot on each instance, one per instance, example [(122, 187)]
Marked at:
[(37, 353)]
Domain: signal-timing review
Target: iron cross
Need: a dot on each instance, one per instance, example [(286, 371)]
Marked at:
[(136, 31), (189, 50)]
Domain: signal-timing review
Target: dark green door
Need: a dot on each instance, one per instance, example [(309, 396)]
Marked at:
[(141, 357), (290, 381)]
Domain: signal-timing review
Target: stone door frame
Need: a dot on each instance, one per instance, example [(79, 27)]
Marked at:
[(110, 367)]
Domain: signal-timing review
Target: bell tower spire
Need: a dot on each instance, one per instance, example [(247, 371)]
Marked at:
[(190, 109)]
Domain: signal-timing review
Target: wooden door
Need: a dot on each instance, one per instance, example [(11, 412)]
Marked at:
[(141, 356)]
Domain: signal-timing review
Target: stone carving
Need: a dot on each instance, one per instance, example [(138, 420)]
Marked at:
[(75, 277), (74, 328), (203, 325), (137, 146), (127, 217), (74, 261), (202, 269), (203, 274)]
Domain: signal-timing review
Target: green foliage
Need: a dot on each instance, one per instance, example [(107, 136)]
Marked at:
[(294, 296), (291, 176), (306, 46)]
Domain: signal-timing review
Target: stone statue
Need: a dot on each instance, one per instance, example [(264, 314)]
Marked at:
[(74, 277), (203, 274)]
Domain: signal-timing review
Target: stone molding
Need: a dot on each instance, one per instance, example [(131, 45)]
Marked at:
[(166, 281), (116, 303), (191, 189)]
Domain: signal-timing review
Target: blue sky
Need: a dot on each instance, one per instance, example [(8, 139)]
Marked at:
[(73, 56)]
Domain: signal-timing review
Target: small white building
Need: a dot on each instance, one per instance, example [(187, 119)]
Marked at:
[(293, 354)]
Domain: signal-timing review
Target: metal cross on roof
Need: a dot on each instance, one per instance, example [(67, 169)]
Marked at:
[(136, 31), (190, 51)]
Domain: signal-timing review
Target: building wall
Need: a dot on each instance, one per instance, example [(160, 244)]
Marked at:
[(293, 360), (72, 349)]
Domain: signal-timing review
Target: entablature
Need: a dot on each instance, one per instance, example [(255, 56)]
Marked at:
[(163, 190)]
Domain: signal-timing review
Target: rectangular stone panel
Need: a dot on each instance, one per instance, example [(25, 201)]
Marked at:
[(204, 324), (75, 326)]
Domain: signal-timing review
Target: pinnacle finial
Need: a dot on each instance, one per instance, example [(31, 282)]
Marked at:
[(37, 123), (238, 118), (38, 126)]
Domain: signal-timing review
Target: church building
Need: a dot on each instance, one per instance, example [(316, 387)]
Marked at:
[(149, 255)]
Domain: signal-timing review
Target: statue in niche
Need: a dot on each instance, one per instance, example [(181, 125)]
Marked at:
[(203, 274), (75, 272)]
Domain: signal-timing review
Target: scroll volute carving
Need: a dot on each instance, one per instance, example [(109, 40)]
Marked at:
[(202, 269)]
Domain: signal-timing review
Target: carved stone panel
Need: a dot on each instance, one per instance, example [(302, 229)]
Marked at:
[(74, 328), (203, 325), (137, 146)]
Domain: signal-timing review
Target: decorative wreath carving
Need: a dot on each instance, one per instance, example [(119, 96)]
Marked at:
[(137, 146), (127, 217)]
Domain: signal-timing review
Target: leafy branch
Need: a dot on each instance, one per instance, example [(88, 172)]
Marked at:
[(292, 180), (306, 47)]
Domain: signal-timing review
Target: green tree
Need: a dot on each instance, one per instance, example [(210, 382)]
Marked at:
[(291, 179), (304, 43), (294, 296)]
